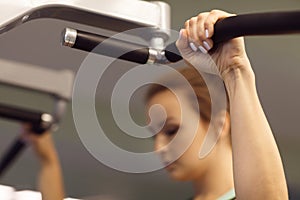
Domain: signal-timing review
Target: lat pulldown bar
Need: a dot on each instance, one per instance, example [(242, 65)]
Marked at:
[(273, 23)]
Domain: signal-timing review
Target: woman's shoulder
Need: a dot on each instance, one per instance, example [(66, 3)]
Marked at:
[(233, 198), (230, 195)]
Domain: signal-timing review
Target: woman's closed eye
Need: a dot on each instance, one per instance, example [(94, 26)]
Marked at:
[(168, 130), (171, 130)]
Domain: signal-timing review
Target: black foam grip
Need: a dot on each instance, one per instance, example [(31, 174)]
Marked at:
[(272, 23), (112, 47), (23, 115), (19, 114)]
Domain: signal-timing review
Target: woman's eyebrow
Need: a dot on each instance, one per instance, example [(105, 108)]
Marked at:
[(162, 124)]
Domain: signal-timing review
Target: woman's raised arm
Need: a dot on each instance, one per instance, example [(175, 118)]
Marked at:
[(50, 181), (258, 169)]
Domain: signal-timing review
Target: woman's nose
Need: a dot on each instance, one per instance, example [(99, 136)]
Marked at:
[(160, 143)]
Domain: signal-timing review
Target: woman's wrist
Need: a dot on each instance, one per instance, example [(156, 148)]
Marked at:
[(44, 149), (241, 77)]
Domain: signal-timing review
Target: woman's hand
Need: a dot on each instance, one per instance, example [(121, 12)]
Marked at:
[(195, 42), (42, 144)]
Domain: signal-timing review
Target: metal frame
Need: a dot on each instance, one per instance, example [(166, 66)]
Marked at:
[(55, 82), (123, 14)]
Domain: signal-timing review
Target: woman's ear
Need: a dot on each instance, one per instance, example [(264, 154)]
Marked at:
[(218, 129), (223, 122)]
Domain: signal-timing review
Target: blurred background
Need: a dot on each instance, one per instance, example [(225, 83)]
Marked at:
[(275, 60)]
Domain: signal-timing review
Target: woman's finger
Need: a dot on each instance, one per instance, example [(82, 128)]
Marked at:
[(182, 42), (211, 20), (189, 33)]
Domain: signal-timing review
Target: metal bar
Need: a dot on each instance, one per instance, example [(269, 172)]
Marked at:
[(272, 23), (242, 25), (11, 154)]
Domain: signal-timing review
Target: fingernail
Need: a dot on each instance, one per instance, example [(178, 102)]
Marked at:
[(206, 33), (193, 47), (202, 49), (180, 33), (206, 45)]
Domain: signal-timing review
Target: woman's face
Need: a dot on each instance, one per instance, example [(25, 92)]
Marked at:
[(188, 166)]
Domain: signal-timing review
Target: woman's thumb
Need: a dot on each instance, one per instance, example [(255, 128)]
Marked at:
[(182, 42)]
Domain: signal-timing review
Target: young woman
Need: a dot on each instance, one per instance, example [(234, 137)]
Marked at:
[(245, 159)]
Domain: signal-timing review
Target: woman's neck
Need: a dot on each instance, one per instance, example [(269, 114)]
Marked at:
[(217, 180)]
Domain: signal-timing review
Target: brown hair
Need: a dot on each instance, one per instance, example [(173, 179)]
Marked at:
[(197, 83)]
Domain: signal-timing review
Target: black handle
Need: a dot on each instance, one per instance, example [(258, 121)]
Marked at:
[(19, 114), (112, 47), (272, 23), (25, 115)]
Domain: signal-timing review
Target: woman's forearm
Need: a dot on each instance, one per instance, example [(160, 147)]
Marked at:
[(50, 181), (258, 170)]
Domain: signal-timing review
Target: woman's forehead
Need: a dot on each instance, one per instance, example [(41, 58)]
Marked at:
[(170, 103)]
